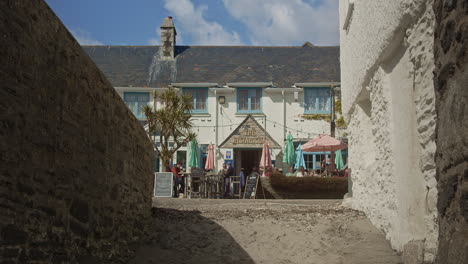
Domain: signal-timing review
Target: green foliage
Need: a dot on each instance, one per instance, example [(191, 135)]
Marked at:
[(338, 106), (170, 122), (340, 123), (325, 117), (310, 184)]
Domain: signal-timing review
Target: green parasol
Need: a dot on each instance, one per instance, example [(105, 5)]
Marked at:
[(339, 160), (289, 156), (193, 154)]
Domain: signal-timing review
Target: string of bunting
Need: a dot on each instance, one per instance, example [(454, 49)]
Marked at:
[(268, 120)]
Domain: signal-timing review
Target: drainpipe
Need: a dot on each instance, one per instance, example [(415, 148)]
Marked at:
[(332, 124), (284, 115), (216, 150)]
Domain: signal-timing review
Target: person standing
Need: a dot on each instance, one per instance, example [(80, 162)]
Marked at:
[(178, 178), (242, 178), (227, 179)]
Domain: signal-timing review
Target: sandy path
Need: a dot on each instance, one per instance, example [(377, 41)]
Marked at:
[(262, 231)]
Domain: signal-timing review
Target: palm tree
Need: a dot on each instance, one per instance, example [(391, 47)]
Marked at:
[(171, 123)]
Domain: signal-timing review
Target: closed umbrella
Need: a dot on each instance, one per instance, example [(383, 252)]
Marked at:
[(299, 157), (289, 156), (339, 160), (209, 164), (265, 161), (193, 154)]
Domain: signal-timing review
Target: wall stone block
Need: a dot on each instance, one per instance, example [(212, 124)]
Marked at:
[(75, 165), (450, 81)]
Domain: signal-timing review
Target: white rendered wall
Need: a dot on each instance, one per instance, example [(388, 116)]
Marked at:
[(388, 101), (272, 106), (204, 125)]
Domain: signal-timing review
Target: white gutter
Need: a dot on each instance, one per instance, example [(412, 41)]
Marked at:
[(316, 84), (222, 89), (194, 84), (140, 89), (283, 90), (249, 84)]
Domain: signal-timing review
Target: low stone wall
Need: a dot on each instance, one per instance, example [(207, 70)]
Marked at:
[(75, 173), (451, 81)]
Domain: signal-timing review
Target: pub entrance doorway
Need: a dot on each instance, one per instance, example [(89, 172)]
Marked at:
[(249, 159)]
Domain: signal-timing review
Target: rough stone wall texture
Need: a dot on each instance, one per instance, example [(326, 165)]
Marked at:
[(374, 24), (75, 173), (391, 114), (451, 80)]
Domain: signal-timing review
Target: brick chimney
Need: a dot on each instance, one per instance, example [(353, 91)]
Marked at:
[(168, 39)]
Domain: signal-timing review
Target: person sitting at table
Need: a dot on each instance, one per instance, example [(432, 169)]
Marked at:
[(301, 172), (291, 171), (179, 179)]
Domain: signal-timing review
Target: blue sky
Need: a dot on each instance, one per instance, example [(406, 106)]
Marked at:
[(202, 22)]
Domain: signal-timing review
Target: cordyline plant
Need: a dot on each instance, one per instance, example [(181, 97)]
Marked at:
[(171, 123)]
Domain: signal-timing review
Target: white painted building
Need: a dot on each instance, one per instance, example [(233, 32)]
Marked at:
[(388, 102), (285, 89)]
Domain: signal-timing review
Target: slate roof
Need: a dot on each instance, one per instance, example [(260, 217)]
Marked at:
[(141, 66)]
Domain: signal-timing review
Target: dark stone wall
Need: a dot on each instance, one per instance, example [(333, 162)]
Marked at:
[(75, 165), (451, 84)]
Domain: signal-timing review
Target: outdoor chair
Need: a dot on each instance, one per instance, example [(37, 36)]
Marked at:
[(196, 183), (235, 188)]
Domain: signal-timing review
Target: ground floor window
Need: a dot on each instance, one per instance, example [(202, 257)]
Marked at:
[(309, 162), (181, 157), (314, 160)]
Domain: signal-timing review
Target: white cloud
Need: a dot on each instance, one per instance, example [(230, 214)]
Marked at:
[(84, 37), (153, 41), (190, 21), (291, 22)]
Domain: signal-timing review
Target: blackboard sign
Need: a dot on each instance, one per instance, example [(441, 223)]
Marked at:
[(163, 184), (251, 185)]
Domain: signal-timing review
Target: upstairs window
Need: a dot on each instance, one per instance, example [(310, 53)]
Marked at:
[(199, 97), (317, 100), (135, 102), (249, 100)]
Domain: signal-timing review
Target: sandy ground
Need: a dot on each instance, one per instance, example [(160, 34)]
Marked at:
[(262, 231)]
